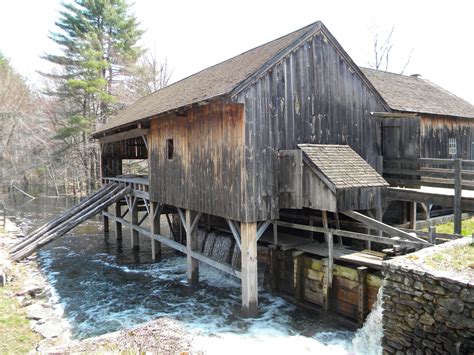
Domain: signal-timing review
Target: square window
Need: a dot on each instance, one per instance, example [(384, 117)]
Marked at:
[(452, 148), (169, 149)]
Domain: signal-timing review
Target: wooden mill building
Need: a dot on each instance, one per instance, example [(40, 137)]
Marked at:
[(446, 122), (283, 128)]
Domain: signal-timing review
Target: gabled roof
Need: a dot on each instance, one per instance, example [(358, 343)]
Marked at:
[(342, 166), (223, 79), (414, 94), (209, 83)]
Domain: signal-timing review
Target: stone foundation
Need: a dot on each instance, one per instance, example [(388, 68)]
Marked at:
[(427, 311)]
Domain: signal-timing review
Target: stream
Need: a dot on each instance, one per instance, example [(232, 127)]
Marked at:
[(103, 287)]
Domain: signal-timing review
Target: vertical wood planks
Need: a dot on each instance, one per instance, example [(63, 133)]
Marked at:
[(191, 245), (457, 196), (134, 241), (248, 234), (155, 215), (118, 225)]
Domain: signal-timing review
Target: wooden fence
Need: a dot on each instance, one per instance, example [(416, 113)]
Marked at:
[(455, 174)]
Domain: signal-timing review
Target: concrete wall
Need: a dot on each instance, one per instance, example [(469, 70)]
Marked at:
[(427, 311)]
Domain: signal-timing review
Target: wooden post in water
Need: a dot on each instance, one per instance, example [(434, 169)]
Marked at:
[(134, 220), (118, 225), (362, 294), (457, 196), (191, 245), (248, 234), (105, 220), (155, 212)]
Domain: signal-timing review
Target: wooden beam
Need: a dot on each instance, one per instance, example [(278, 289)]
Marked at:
[(325, 223), (118, 225), (235, 232), (134, 241), (457, 196), (191, 245), (155, 214), (262, 229), (220, 266), (432, 235), (106, 223), (133, 133), (248, 233), (362, 305), (374, 224)]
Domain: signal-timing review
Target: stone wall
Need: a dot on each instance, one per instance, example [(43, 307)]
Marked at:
[(427, 311)]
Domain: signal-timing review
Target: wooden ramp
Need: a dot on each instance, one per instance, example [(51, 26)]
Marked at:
[(57, 227)]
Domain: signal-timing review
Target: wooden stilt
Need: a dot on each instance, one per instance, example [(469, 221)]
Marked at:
[(105, 220), (248, 234), (432, 235), (155, 214), (413, 215), (118, 225), (298, 265), (134, 220), (191, 244)]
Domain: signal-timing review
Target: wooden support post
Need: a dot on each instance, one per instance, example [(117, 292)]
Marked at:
[(298, 267), (134, 220), (118, 225), (362, 294), (457, 196), (379, 212), (248, 235), (155, 214), (105, 220), (324, 215), (329, 265), (432, 235), (275, 234), (274, 268), (412, 215), (191, 245)]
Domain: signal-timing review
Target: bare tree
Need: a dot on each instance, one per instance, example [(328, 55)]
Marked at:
[(382, 46)]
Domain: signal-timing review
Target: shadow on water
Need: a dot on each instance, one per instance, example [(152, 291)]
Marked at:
[(104, 286)]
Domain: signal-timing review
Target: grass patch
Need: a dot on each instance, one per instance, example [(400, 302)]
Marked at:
[(16, 335), (448, 228), (459, 258)]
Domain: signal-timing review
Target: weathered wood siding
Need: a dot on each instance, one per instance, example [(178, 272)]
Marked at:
[(312, 96), (205, 173), (436, 131)]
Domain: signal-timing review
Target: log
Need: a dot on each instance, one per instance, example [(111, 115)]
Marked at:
[(73, 222), (64, 216)]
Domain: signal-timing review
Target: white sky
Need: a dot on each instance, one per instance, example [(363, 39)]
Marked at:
[(196, 34)]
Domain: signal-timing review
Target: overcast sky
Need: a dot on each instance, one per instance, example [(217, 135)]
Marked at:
[(196, 34)]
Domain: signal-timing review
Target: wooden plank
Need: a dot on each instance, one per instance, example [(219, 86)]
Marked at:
[(362, 294), (133, 133), (155, 215), (290, 178), (192, 270), (412, 206), (216, 264), (374, 224), (248, 233), (457, 196), (134, 234), (118, 225)]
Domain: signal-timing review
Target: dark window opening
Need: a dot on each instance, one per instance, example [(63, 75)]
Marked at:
[(169, 149)]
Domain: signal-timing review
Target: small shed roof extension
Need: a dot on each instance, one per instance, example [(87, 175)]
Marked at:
[(342, 166), (415, 94), (224, 79)]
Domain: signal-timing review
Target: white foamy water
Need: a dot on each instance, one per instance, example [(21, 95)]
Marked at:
[(104, 287), (368, 339)]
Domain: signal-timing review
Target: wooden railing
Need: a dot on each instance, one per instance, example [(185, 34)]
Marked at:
[(454, 174)]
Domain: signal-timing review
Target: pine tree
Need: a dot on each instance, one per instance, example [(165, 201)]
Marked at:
[(98, 41)]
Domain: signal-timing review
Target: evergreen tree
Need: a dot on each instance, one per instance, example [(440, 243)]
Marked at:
[(98, 41)]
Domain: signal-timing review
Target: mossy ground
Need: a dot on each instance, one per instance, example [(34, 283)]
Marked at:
[(16, 335), (448, 228), (459, 258)]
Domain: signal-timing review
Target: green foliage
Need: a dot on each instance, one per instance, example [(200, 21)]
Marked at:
[(98, 38)]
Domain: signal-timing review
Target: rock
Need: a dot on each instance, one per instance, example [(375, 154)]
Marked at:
[(411, 320), (467, 295), (453, 304), (37, 311), (441, 314), (31, 290), (52, 328), (426, 319)]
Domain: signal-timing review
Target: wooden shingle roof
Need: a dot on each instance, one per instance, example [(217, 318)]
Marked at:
[(414, 94), (342, 166), (209, 83)]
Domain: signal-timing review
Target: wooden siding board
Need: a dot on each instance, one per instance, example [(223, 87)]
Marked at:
[(337, 112), (205, 173)]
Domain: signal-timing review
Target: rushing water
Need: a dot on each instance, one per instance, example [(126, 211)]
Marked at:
[(103, 287)]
